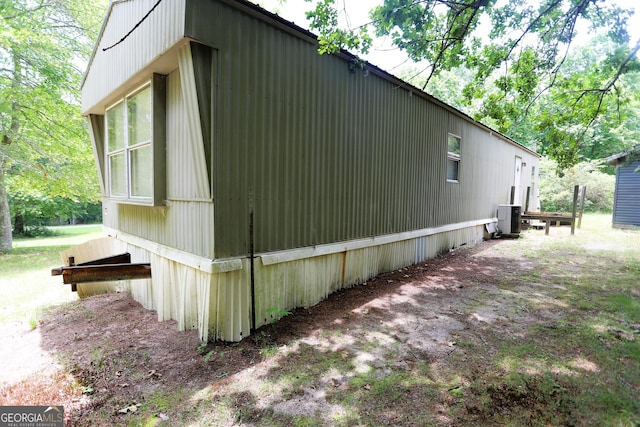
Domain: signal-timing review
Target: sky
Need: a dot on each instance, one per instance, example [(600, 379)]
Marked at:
[(382, 53)]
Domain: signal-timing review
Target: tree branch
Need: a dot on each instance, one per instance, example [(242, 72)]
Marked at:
[(448, 40)]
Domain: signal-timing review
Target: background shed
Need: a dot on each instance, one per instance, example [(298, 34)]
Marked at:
[(626, 196)]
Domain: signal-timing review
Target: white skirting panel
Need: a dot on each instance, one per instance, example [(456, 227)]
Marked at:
[(305, 282), (431, 246), (217, 302), (300, 283), (141, 290), (218, 305), (230, 305)]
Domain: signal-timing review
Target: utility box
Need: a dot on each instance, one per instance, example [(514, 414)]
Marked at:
[(509, 221)]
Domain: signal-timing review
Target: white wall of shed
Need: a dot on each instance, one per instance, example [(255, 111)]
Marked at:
[(186, 223), (183, 225)]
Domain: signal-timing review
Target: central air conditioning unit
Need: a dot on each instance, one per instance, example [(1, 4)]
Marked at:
[(509, 219)]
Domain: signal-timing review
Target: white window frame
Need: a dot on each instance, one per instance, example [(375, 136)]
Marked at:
[(154, 145), (454, 157)]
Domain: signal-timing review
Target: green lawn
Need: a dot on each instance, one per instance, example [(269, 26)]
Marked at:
[(26, 284)]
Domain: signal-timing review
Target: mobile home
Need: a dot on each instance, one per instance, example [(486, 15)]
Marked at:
[(256, 175)]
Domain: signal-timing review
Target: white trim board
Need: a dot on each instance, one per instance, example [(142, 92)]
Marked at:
[(226, 265), (194, 261), (332, 248)]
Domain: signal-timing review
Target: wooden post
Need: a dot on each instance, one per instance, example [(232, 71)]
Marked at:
[(576, 190), (547, 222), (513, 195), (526, 202), (72, 262), (582, 196)]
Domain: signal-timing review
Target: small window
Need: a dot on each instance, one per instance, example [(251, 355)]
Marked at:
[(130, 145), (453, 158)]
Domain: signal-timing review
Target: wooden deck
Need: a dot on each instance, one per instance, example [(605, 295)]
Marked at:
[(548, 217)]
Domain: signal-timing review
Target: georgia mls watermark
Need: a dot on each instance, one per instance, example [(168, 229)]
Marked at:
[(31, 416)]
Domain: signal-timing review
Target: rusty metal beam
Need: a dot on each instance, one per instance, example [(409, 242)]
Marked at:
[(124, 258), (102, 273)]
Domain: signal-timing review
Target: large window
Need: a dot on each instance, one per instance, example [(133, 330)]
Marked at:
[(453, 158), (131, 141)]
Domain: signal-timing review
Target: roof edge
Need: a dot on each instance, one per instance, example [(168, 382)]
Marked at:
[(616, 159), (97, 42)]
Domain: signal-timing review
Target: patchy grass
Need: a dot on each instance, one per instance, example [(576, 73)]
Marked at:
[(26, 284), (581, 369)]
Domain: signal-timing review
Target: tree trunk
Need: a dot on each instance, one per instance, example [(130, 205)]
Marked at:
[(6, 242), (18, 225), (6, 239)]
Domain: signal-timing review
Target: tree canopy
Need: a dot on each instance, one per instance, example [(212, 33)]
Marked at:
[(44, 148), (513, 62)]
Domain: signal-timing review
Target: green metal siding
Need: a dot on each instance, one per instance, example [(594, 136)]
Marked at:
[(324, 151)]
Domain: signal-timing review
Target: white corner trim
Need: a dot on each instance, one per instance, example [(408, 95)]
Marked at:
[(332, 248), (206, 265)]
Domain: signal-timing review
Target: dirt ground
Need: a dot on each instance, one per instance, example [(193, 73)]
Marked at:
[(117, 351)]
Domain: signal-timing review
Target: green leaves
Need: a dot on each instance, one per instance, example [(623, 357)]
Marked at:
[(436, 31), (45, 148), (43, 46), (332, 39), (556, 189)]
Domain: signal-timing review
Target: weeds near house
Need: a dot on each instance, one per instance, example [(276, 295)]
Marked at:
[(209, 355), (34, 319), (277, 313)]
